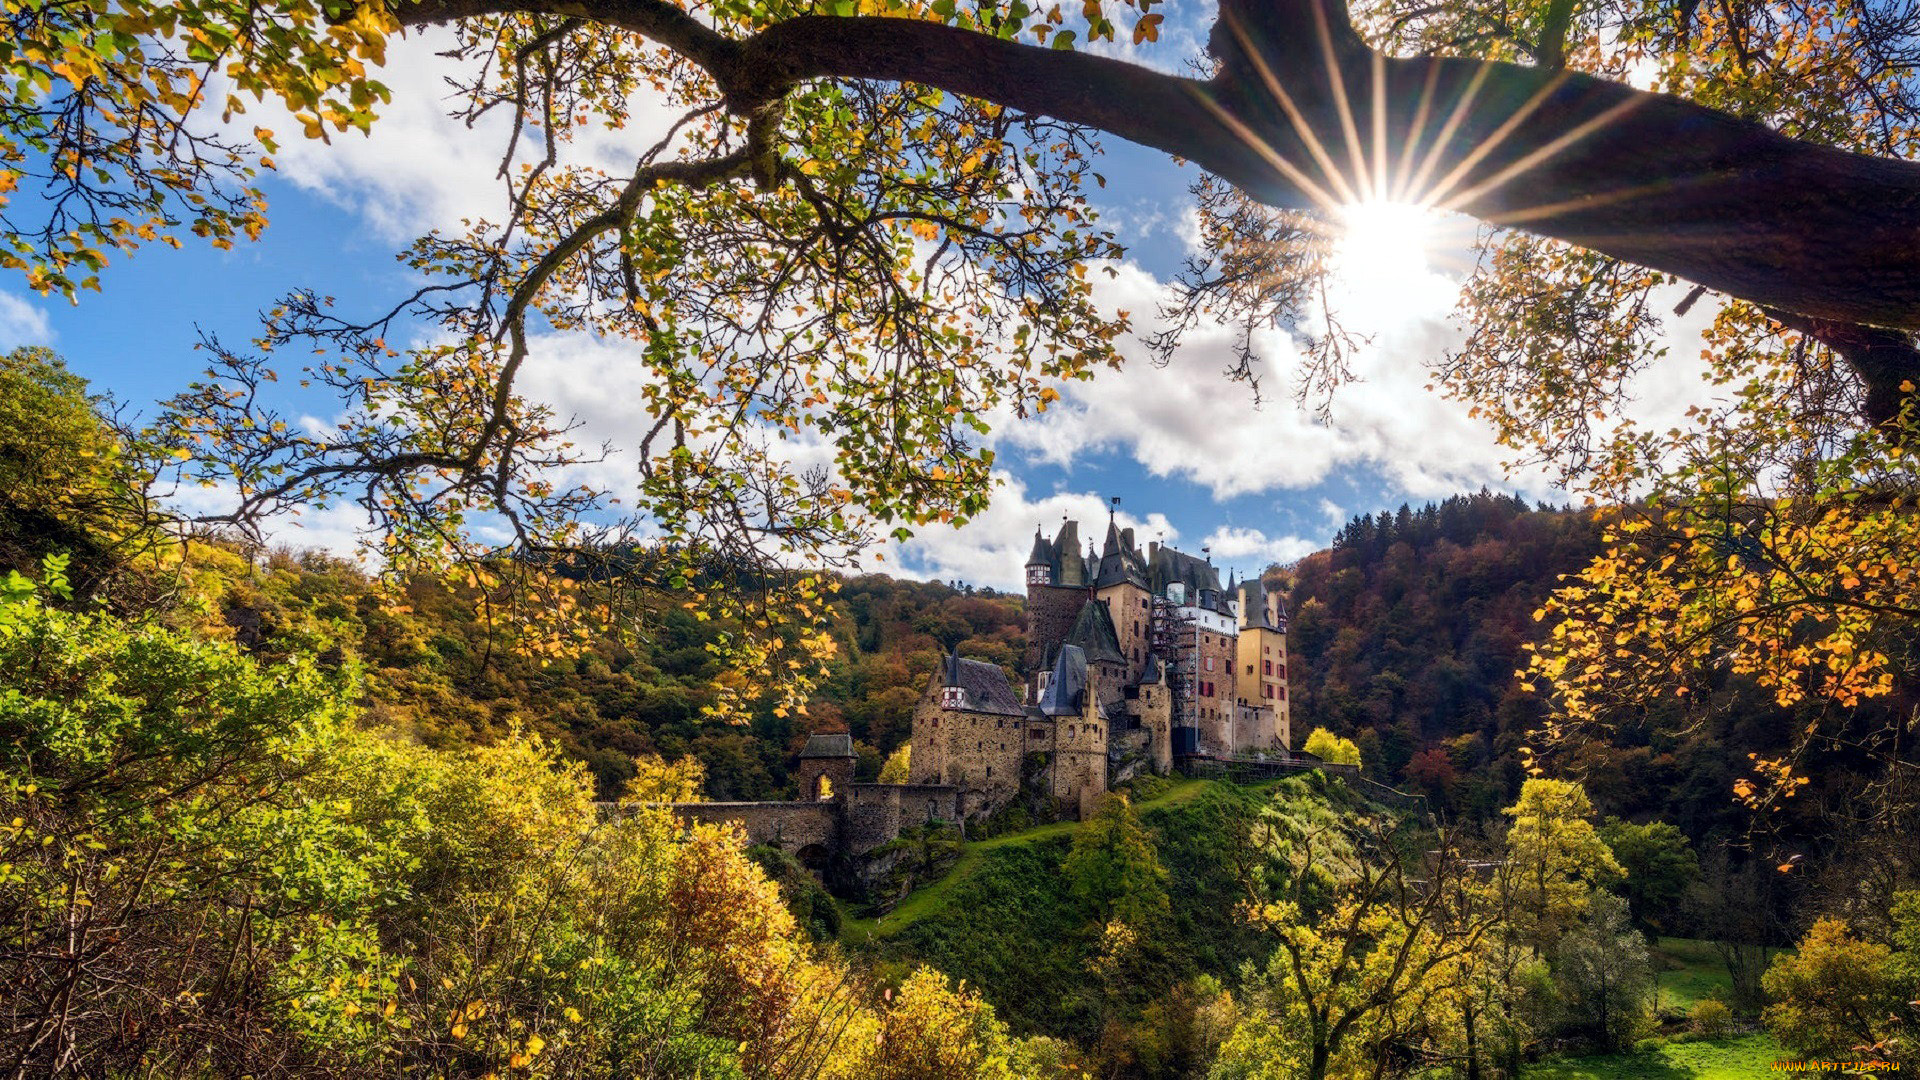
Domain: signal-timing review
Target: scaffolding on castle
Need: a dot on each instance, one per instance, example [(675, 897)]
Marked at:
[(1175, 639)]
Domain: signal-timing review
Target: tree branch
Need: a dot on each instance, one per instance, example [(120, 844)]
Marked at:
[(1645, 177)]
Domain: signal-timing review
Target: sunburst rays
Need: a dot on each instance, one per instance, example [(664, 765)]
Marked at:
[(1388, 194)]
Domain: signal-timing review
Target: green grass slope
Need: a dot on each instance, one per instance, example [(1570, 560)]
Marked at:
[(1687, 971), (1743, 1058), (1005, 919), (932, 901)]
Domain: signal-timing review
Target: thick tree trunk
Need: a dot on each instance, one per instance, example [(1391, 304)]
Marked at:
[(1303, 113), (1473, 1045)]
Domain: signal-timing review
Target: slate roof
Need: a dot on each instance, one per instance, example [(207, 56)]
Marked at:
[(986, 685), (1253, 597), (1042, 551), (1177, 567), (1119, 560), (1066, 691), (1069, 567), (1094, 633), (828, 746)]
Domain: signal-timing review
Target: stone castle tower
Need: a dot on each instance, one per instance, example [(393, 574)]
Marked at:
[(1134, 660)]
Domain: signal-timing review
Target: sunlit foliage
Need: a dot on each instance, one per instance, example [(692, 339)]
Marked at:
[(208, 867)]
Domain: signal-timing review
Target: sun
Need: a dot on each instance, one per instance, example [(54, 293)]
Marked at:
[(1380, 258), (1379, 238)]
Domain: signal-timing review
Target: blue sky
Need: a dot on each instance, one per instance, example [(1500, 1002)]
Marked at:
[(1190, 456)]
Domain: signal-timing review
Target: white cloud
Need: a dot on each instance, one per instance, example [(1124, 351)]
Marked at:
[(22, 323), (992, 548), (1186, 421), (337, 529), (419, 168), (1254, 549)]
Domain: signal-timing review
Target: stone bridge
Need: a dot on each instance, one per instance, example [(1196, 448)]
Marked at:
[(853, 821)]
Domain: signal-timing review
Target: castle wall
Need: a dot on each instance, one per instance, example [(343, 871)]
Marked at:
[(1051, 610), (1262, 670), (1154, 708), (1255, 729), (789, 826), (1109, 682), (877, 812), (1214, 713), (860, 818), (1131, 610), (1283, 701), (837, 771), (1080, 755), (977, 751), (928, 762)]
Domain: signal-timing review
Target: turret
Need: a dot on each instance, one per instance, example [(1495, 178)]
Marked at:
[(1072, 568), (1258, 609), (953, 691), (1040, 563)]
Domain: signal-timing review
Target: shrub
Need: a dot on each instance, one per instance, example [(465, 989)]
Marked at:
[(1331, 748), (210, 870), (1711, 1018)]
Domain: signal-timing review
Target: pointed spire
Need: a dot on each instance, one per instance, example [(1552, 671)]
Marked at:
[(1042, 551)]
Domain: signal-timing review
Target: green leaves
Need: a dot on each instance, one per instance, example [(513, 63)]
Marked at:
[(107, 116)]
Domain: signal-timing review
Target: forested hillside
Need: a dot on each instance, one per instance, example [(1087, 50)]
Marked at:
[(1408, 632), (1409, 635), (438, 669), (269, 814)]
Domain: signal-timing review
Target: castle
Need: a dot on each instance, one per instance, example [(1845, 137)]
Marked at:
[(1137, 660)]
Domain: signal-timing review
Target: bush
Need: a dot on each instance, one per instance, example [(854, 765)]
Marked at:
[(1147, 786), (263, 888), (812, 906), (1711, 1018), (1331, 748)]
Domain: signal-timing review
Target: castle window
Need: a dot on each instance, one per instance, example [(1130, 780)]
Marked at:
[(953, 697), (1267, 691), (1283, 693), (1269, 667), (1249, 669), (989, 772)]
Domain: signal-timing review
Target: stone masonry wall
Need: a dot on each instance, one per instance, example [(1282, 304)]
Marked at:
[(1214, 713), (789, 826), (1051, 610), (1132, 616)]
